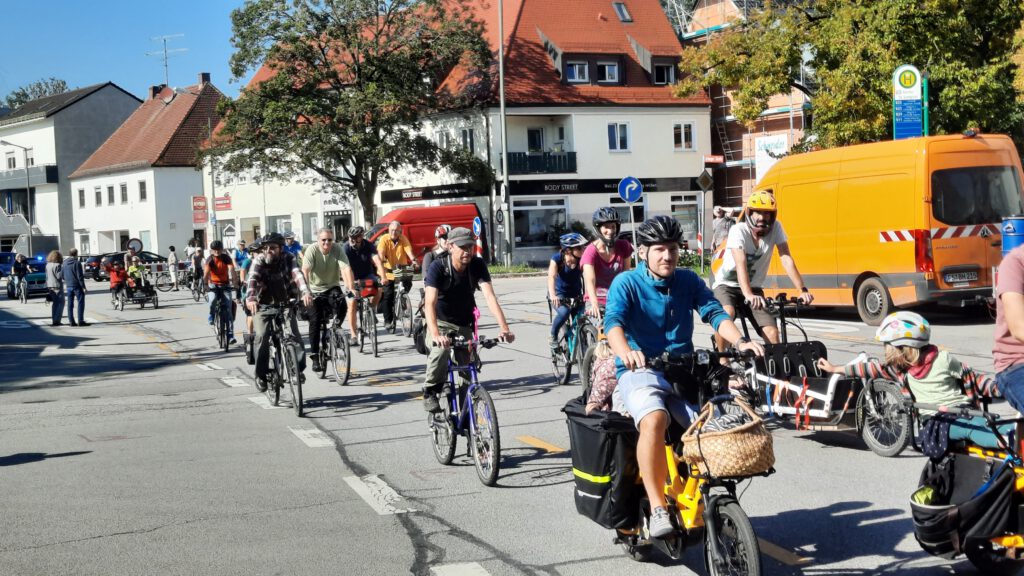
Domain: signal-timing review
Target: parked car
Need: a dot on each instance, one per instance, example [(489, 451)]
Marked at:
[(36, 279), (420, 222), (93, 268)]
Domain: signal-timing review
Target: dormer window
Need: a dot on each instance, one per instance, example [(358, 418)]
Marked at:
[(576, 72), (664, 74), (620, 9), (607, 71)]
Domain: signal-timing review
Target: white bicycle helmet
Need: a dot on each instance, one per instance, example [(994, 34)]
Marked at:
[(904, 329)]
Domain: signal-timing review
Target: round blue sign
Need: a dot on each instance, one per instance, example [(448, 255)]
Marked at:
[(630, 189), (476, 226)]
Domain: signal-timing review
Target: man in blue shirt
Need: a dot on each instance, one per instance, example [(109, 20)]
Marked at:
[(649, 312), (292, 246)]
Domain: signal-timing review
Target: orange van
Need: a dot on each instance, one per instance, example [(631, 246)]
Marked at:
[(420, 222), (897, 223)]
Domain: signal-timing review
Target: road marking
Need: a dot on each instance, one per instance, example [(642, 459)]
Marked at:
[(781, 554), (827, 326), (377, 494), (213, 366), (234, 382), (208, 366), (262, 402), (312, 437), (467, 569), (538, 443), (392, 384)]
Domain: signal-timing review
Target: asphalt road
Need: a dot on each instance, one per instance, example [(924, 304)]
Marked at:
[(133, 447)]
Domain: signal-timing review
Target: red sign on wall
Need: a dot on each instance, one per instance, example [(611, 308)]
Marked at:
[(199, 212), (222, 203)]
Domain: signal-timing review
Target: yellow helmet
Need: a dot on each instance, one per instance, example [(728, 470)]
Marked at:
[(761, 200)]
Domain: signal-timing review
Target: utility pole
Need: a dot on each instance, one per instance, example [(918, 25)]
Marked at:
[(165, 53)]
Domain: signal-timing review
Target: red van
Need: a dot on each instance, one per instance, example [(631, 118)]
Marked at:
[(419, 223)]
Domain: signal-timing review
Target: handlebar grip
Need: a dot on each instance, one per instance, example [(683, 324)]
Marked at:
[(722, 398)]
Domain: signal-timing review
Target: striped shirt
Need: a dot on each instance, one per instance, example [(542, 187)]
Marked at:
[(268, 283)]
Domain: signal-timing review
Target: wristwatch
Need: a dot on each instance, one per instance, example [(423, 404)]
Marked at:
[(804, 289)]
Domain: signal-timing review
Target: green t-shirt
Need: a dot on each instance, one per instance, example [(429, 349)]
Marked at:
[(324, 269), (941, 385)]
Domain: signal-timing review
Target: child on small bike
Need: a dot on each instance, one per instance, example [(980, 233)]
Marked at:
[(118, 276), (565, 279)]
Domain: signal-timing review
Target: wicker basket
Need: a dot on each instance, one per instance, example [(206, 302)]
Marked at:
[(742, 451)]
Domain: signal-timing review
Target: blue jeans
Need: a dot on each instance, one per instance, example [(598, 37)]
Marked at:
[(221, 295), (74, 293), (57, 305), (1011, 384), (561, 315)]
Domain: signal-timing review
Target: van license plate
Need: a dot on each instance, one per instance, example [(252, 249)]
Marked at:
[(961, 277)]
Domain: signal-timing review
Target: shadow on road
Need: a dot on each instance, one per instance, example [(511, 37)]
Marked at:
[(28, 457)]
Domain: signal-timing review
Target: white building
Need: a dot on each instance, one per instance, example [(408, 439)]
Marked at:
[(141, 182), (52, 136)]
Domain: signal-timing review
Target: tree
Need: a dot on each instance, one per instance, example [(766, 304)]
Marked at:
[(852, 48), (344, 87), (32, 91)]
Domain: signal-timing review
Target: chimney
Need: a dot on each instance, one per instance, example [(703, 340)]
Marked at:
[(204, 78), (154, 91)]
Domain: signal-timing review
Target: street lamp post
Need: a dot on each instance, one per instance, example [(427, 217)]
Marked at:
[(28, 193)]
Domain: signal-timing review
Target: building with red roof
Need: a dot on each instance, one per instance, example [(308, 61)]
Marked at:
[(141, 181)]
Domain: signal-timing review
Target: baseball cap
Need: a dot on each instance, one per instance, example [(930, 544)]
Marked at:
[(461, 237)]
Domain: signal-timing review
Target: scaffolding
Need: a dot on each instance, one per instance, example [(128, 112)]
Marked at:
[(682, 15)]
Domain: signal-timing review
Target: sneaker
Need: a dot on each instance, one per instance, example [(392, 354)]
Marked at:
[(231, 340), (209, 319), (261, 385), (316, 363), (555, 348), (661, 523), (430, 402)]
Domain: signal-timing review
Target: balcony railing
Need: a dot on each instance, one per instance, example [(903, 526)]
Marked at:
[(541, 162)]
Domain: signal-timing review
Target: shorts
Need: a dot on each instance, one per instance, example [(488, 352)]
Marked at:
[(644, 391), (733, 296)]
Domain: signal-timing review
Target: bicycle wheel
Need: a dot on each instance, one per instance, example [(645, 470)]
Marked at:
[(561, 368), (442, 433), (225, 330), (291, 368), (988, 560), (586, 345), (737, 542), (121, 300), (405, 316), (372, 327), (163, 282), (886, 433), (484, 439), (341, 358), (274, 375), (325, 353)]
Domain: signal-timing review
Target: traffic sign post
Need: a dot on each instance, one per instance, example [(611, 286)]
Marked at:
[(477, 226), (706, 182), (631, 190), (907, 105)]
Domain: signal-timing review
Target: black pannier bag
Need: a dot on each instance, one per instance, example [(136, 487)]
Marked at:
[(961, 498), (604, 467)]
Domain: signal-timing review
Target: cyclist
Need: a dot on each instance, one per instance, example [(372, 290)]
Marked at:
[(366, 265), (118, 278), (196, 263), (650, 311), (565, 280), (239, 254), (748, 250), (324, 266), (291, 245), (395, 250), (136, 270), (273, 278), (129, 257), (243, 276), (605, 258), (219, 275), (449, 303), (441, 237)]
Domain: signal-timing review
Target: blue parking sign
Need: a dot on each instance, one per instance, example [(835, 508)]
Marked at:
[(476, 226), (630, 189)]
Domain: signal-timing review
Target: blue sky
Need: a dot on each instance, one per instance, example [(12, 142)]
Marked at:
[(91, 41)]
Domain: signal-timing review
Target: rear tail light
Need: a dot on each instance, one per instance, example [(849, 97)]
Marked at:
[(923, 251)]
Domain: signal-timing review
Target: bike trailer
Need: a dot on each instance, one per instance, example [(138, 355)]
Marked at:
[(604, 466), (789, 374), (962, 498)]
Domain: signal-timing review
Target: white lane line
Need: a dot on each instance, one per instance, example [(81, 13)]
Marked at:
[(467, 569), (234, 382), (213, 366), (262, 402), (312, 437), (377, 494), (202, 366)]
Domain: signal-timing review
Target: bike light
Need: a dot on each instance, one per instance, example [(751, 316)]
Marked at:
[(703, 358)]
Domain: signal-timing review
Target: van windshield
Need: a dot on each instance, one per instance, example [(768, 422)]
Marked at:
[(976, 195)]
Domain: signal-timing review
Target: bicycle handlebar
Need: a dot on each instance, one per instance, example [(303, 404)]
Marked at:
[(781, 301), (700, 357), (457, 341)]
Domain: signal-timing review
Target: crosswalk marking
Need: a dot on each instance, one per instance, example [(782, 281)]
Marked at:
[(312, 437), (262, 402), (234, 382), (466, 569), (375, 492)]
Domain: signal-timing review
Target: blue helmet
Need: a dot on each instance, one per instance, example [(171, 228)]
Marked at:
[(572, 240)]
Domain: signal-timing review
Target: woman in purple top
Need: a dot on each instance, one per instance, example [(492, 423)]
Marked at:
[(604, 259)]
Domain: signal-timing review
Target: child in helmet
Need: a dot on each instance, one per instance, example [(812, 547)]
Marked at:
[(565, 279), (934, 376)]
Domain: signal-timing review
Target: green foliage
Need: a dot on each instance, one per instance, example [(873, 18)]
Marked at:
[(345, 84), (853, 47), (499, 269), (691, 259), (35, 90)]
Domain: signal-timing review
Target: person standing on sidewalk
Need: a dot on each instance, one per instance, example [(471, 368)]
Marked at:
[(172, 264), (55, 284), (74, 284)]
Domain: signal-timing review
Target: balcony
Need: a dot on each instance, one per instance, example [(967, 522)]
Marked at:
[(541, 162)]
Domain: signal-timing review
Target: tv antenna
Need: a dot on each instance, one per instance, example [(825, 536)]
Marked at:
[(165, 53)]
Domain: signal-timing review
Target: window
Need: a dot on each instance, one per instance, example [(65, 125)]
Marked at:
[(110, 195), (30, 157), (468, 142), (534, 139), (684, 209), (142, 190), (11, 162), (124, 193), (664, 74), (975, 195), (622, 208), (538, 222), (576, 72), (682, 136), (83, 240), (81, 197), (99, 196), (607, 72), (443, 139), (243, 178), (620, 9), (561, 133), (618, 137)]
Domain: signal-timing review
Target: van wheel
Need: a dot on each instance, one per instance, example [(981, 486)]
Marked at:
[(873, 301)]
